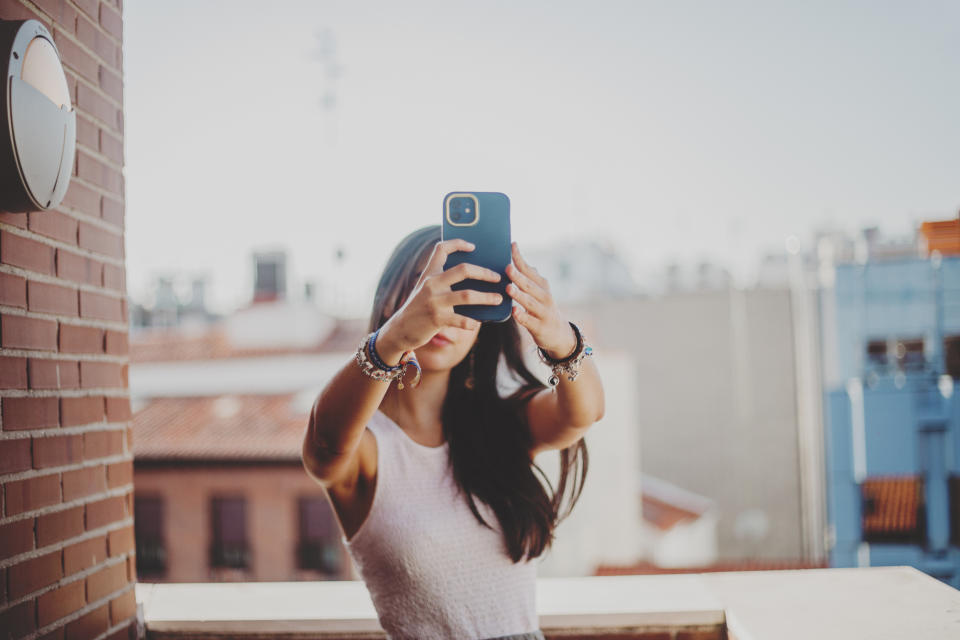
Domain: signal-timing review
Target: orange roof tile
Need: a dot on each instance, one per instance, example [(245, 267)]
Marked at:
[(212, 343), (247, 427), (664, 515), (891, 504), (942, 235)]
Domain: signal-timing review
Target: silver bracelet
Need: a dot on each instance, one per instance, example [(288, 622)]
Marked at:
[(372, 365), (569, 365)]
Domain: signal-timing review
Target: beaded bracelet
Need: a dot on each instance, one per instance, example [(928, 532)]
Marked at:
[(374, 366), (571, 363)]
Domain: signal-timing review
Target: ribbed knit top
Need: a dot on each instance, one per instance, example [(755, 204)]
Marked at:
[(432, 570)]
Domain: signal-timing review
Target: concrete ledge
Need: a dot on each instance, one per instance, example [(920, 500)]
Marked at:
[(828, 604)]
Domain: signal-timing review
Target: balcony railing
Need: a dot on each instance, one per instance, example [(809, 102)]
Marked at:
[(827, 604)]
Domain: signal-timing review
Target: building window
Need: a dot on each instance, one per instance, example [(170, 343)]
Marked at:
[(893, 509), (951, 355), (319, 544), (910, 354), (877, 354), (148, 532), (230, 547)]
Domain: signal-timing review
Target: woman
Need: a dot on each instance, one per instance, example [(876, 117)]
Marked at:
[(434, 486)]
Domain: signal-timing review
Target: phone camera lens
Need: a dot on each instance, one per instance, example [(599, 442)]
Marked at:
[(455, 215)]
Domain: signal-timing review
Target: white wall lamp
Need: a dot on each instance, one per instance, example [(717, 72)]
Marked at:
[(38, 128)]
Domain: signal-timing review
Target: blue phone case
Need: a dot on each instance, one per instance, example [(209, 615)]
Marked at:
[(490, 233)]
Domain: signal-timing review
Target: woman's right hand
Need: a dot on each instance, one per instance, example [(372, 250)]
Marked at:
[(429, 307)]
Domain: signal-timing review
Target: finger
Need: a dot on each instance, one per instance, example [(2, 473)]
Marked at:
[(531, 304), (526, 284), (443, 249), (525, 267), (466, 270), (525, 319), (462, 322), (471, 296)]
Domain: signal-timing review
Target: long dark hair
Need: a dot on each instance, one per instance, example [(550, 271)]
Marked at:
[(488, 435)]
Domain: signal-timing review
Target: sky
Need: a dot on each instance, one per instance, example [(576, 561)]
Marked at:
[(674, 131)]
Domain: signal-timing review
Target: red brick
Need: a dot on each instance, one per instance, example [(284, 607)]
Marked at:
[(78, 411), (112, 211), (54, 374), (32, 493), (100, 240), (13, 373), (90, 34), (3, 588), (111, 21), (90, 7), (21, 332), (52, 298), (74, 57), (123, 607), (69, 374), (120, 473), (130, 438), (28, 576), (97, 105), (60, 12), (44, 374), (26, 253), (16, 538), (95, 305), (88, 135), (111, 146), (29, 413), (106, 581), (102, 443), (60, 525), (95, 374), (97, 172), (85, 481), (77, 339), (77, 268), (118, 409), (58, 633), (15, 455), (132, 567), (80, 555), (53, 605), (54, 224), (112, 85), (117, 343), (114, 277), (14, 219), (89, 625), (55, 451), (21, 620), (104, 512), (81, 197), (120, 541), (13, 290)]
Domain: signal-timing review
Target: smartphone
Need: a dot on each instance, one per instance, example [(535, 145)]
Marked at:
[(483, 218)]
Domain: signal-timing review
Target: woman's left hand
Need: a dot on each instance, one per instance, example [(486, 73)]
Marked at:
[(540, 314)]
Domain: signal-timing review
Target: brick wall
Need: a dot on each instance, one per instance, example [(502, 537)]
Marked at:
[(66, 532)]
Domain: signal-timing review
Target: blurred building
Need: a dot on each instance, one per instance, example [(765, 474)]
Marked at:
[(891, 328), (718, 386), (220, 409)]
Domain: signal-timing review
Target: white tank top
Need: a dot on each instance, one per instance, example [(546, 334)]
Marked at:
[(432, 570)]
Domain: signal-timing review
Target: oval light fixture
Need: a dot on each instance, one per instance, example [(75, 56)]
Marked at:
[(38, 132)]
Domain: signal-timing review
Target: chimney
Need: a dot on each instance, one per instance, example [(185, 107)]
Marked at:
[(270, 276)]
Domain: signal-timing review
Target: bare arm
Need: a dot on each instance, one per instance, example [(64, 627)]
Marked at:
[(344, 407), (557, 418)]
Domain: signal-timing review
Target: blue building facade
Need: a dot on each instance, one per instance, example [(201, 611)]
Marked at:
[(891, 337)]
